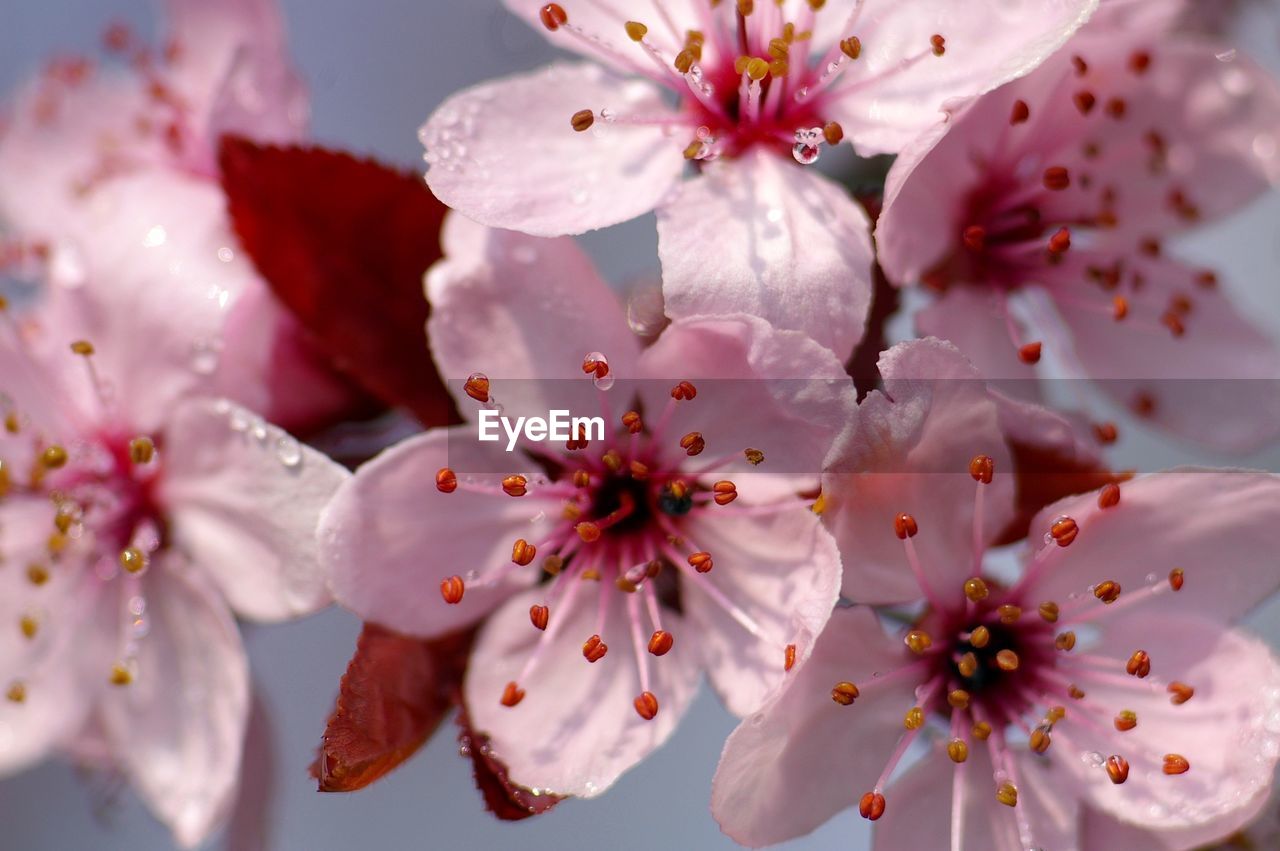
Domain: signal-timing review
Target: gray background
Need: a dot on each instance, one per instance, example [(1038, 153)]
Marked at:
[(376, 69)]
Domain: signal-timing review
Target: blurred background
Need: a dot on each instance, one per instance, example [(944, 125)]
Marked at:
[(376, 70)]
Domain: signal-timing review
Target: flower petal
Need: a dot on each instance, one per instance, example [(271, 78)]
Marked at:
[(803, 758), (244, 500), (389, 537), (974, 321), (909, 452), (505, 154), (576, 729), (761, 236)]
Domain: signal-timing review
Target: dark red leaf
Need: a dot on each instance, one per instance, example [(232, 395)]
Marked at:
[(344, 244), (504, 799), (394, 695), (1046, 475)]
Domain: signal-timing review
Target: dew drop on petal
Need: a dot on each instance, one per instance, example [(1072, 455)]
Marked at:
[(288, 451), (807, 148), (1092, 759)]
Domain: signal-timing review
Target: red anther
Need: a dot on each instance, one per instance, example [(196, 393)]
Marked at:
[(1020, 113), (845, 693), (1150, 246), (579, 441), (871, 806), (851, 47), (1139, 664), (1064, 531), (754, 457), (1125, 720), (477, 387), (1056, 178), (789, 657), (553, 16), (701, 562), (598, 368), (1173, 322), (646, 705), (446, 480), (539, 616), (1180, 693), (1139, 61), (1181, 304), (1080, 65), (515, 485), (833, 133), (1176, 764), (588, 531), (512, 694), (1030, 353), (581, 122), (1116, 108), (632, 421), (683, 391), (1108, 592), (1117, 769), (982, 468), (1084, 101), (117, 38), (975, 237), (593, 649), (1106, 432), (452, 590), (1207, 279), (725, 492), (522, 552), (1060, 241), (660, 642), (1144, 404), (1176, 577), (581, 478), (904, 526), (1119, 307), (1109, 496), (693, 443), (938, 43)]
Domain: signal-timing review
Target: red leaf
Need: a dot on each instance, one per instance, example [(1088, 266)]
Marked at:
[(394, 695), (344, 244), (504, 799)]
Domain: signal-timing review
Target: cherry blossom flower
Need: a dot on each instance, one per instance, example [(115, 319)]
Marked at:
[(1103, 678), (139, 136), (656, 553), (1039, 217), (742, 91), (136, 515)]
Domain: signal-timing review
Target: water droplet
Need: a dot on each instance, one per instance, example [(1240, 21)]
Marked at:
[(1092, 759), (604, 380), (205, 354), (239, 420), (155, 237), (67, 267), (226, 255), (802, 93), (607, 114), (1151, 577), (288, 451), (775, 215)]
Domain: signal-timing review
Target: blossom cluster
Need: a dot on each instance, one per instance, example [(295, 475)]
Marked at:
[(243, 376)]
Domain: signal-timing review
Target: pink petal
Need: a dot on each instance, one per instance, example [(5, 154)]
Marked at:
[(974, 320), (525, 312), (178, 729), (760, 236), (504, 152), (244, 499), (909, 452), (576, 730), (782, 570), (1219, 526), (389, 537), (803, 758), (987, 43), (604, 24)]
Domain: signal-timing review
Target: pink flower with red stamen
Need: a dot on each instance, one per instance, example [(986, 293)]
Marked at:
[(741, 92), (1040, 214), (613, 570), (136, 515), (1104, 678)]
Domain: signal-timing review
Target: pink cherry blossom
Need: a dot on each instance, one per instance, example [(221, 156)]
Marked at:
[(657, 553), (742, 92), (137, 514), (1041, 213), (1104, 677), (84, 143)]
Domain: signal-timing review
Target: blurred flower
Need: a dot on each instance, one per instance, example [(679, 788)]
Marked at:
[(1039, 216), (620, 550), (1093, 679), (136, 514), (757, 87)]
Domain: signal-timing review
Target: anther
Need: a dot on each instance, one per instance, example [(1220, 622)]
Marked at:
[(693, 443), (612, 459), (1020, 113), (1180, 693), (593, 649), (636, 31), (552, 564), (1055, 714), (1056, 178), (133, 560), (646, 705), (851, 47), (37, 574), (1080, 65), (660, 642), (1040, 740), (53, 457), (684, 391), (1009, 613), (1139, 664), (639, 470), (982, 469), (512, 694), (938, 43), (83, 348), (979, 637), (832, 132), (523, 552), (1117, 769), (452, 590), (958, 699), (120, 675), (871, 807), (789, 658), (582, 120), (1126, 720), (515, 485), (1065, 640), (1007, 794), (1108, 592), (904, 526), (974, 588), (1107, 433), (17, 692), (1075, 692), (1064, 531), (631, 420), (1175, 764), (974, 238), (588, 531), (553, 17), (1060, 242), (754, 457), (1177, 577), (1139, 62), (844, 693), (29, 626), (958, 750), (1084, 101), (477, 386), (1116, 108), (446, 480), (918, 641), (968, 665), (981, 731), (142, 450), (914, 719), (539, 616), (701, 562), (685, 58), (1007, 660), (1030, 353), (725, 492), (1049, 611), (1109, 496)]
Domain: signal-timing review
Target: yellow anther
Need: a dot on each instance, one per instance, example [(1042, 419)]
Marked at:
[(53, 457), (918, 641), (914, 719), (29, 626), (851, 47), (968, 665), (1065, 640), (120, 675), (980, 637), (981, 731), (142, 450), (1007, 794), (958, 750), (1009, 613), (37, 574), (1007, 660), (1040, 740), (1049, 611), (133, 559), (636, 31), (17, 691), (958, 699), (975, 589), (757, 68), (82, 347)]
